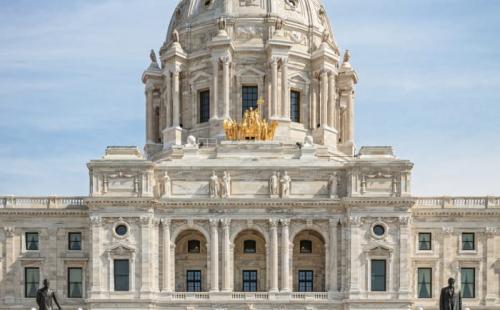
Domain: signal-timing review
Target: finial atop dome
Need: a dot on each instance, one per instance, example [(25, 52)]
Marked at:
[(347, 59)]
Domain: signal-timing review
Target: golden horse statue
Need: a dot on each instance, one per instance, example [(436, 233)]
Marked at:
[(252, 127)]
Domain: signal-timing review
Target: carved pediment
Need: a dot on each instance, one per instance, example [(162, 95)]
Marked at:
[(121, 250)]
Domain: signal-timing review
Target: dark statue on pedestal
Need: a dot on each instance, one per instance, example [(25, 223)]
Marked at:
[(45, 296), (450, 298)]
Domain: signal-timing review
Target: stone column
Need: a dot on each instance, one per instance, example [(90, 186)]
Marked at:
[(314, 102), (149, 112), (167, 284), (176, 100), (331, 100), (404, 257), (274, 87), (226, 62), (491, 275), (324, 99), (333, 255), (95, 255), (10, 258), (285, 252), (285, 93), (350, 117), (226, 285), (168, 99), (354, 253), (214, 255), (273, 224), (214, 114), (146, 254)]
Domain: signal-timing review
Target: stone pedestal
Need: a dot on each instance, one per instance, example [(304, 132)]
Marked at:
[(326, 136), (172, 136)]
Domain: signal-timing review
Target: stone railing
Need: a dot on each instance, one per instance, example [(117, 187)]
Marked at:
[(15, 202), (457, 202), (249, 296)]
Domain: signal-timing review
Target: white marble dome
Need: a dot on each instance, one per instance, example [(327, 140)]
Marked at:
[(303, 19)]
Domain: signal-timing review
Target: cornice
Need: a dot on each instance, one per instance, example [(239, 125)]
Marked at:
[(83, 212), (455, 212)]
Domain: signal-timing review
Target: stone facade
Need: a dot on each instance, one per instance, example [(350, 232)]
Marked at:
[(304, 213)]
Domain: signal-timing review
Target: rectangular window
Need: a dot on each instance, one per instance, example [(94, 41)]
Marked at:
[(468, 242), (75, 283), (194, 246), (32, 241), (75, 241), (468, 282), (295, 106), (249, 96), (122, 274), (306, 246), (249, 246), (306, 280), (204, 106), (378, 275), (193, 281), (424, 282), (424, 241), (249, 281), (31, 282)]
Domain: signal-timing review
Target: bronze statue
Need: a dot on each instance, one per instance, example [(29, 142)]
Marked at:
[(450, 298), (44, 297)]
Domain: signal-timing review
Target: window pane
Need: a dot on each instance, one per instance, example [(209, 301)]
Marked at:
[(295, 106), (306, 281), (31, 282), (194, 246), (424, 283), (468, 282), (424, 241), (249, 95), (378, 275), (249, 246), (193, 281), (204, 106), (75, 282), (121, 269), (306, 246), (249, 281), (75, 241), (32, 241), (468, 241)]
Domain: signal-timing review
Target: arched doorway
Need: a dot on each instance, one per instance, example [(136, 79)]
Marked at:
[(308, 262), (250, 263), (191, 262)]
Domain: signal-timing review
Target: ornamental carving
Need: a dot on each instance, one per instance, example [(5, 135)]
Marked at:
[(252, 127)]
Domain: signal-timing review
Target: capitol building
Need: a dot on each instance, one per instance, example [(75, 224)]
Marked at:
[(250, 192)]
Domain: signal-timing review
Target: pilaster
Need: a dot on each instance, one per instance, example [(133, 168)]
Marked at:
[(404, 257), (146, 257), (166, 281), (285, 252), (273, 227), (333, 255), (227, 269), (214, 255), (95, 256)]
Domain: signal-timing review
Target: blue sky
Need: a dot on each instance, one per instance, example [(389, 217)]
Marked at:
[(70, 85)]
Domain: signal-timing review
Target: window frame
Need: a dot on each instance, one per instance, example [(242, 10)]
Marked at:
[(26, 242), (204, 106), (116, 275), (372, 275), (297, 106), (462, 242), (419, 242), (69, 282), (246, 103), (249, 250), (70, 242), (429, 282), (305, 281), (302, 249), (473, 283), (37, 284), (253, 283), (194, 281), (191, 250)]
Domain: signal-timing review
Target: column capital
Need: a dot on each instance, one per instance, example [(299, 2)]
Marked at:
[(273, 223), (273, 61), (96, 220), (225, 60), (285, 222), (404, 220), (354, 220), (226, 223), (9, 231), (491, 231), (146, 220), (214, 223), (166, 222)]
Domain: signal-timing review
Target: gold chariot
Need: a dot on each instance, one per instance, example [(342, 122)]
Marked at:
[(252, 127)]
